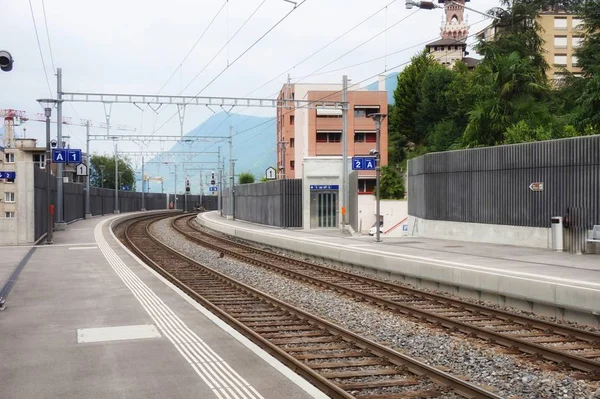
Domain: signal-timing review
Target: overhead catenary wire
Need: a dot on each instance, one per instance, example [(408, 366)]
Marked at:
[(324, 47), (40, 48), (223, 48), (236, 59), (48, 35), (194, 46), (340, 91)]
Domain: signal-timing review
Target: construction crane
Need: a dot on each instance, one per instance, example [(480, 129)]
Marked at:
[(12, 118)]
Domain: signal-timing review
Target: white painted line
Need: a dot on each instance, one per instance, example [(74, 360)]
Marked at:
[(120, 333), (185, 340), (276, 364), (47, 246), (82, 248), (583, 285)]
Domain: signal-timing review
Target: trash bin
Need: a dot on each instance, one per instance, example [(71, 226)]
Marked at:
[(557, 233)]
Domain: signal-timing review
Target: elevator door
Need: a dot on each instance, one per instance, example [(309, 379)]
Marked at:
[(324, 209)]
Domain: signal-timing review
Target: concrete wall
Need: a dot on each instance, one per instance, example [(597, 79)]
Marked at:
[(393, 212), (534, 237)]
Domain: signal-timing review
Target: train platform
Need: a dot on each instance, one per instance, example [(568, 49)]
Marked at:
[(86, 319), (541, 281)]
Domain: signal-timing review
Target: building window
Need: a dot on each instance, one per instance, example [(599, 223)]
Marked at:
[(292, 118), (560, 23), (292, 142), (365, 111), (560, 41), (577, 23), (292, 165), (574, 61), (9, 215), (365, 137), (366, 185), (560, 59), (329, 137), (577, 41), (9, 197), (40, 160), (9, 157)]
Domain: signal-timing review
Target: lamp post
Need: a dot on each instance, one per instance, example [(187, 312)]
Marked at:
[(48, 104), (377, 118)]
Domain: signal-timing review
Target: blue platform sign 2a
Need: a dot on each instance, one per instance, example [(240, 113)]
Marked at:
[(363, 163), (8, 175), (324, 187), (59, 156), (73, 156)]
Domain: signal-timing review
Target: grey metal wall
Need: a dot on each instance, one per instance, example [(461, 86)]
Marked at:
[(102, 201), (491, 185), (275, 203), (353, 200)]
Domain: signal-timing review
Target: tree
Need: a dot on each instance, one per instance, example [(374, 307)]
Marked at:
[(391, 185), (407, 100), (127, 173), (508, 89), (588, 55), (246, 178)]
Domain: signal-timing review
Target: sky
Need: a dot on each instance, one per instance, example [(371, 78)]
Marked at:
[(134, 46)]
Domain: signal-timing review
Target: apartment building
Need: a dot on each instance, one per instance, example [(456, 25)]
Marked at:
[(317, 133), (562, 34), (17, 197)]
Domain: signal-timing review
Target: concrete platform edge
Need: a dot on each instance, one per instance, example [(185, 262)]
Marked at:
[(276, 364), (565, 299)]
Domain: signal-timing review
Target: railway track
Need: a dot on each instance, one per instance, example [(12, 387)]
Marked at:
[(564, 345), (337, 361)]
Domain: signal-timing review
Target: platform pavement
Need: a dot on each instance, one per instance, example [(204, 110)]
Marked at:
[(88, 280), (545, 282)]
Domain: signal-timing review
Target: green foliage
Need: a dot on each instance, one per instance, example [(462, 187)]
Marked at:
[(407, 97), (246, 178), (507, 99), (263, 179), (391, 185), (508, 89), (108, 172)]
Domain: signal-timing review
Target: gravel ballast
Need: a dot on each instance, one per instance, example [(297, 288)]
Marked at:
[(453, 353)]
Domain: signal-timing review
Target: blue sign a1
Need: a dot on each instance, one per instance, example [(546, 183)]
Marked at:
[(8, 175), (59, 156), (213, 188), (73, 156), (125, 188)]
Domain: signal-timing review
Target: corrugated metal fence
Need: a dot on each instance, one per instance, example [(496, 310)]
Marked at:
[(102, 201), (275, 203), (492, 185)]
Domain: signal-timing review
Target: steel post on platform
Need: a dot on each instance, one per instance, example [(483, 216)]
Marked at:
[(48, 113), (60, 220), (88, 213)]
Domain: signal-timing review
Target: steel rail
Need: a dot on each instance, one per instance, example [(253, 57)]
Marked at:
[(506, 340), (414, 366)]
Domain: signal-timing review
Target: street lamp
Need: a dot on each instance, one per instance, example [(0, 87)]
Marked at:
[(6, 62), (377, 118), (48, 104)]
